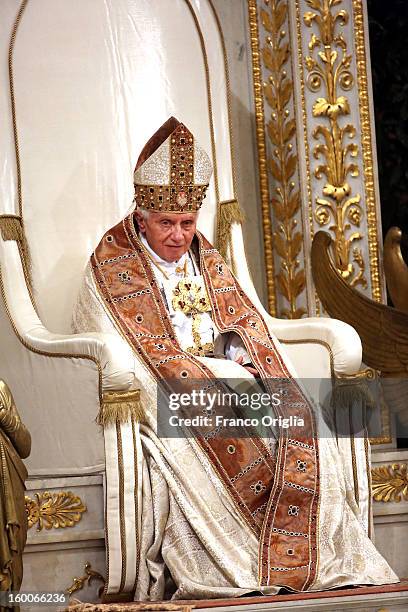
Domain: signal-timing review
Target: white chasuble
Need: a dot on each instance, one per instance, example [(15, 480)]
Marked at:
[(176, 533)]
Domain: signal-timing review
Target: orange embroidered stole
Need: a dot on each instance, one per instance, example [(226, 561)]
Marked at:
[(282, 510)]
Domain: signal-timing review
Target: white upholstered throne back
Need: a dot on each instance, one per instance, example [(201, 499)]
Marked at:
[(93, 81)]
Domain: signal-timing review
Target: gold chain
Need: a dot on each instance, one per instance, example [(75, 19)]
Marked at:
[(158, 266)]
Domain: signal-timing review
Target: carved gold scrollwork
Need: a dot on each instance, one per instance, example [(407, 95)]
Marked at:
[(283, 162), (328, 67), (58, 510), (390, 482)]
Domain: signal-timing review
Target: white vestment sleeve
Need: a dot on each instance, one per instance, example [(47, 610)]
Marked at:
[(89, 315), (234, 349)]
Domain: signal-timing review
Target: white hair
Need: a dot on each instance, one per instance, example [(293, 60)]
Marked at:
[(145, 213)]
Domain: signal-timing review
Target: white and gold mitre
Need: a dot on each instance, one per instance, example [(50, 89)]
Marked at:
[(172, 172)]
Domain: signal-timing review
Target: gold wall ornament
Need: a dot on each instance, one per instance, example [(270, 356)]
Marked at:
[(390, 482), (262, 161), (383, 331), (89, 575), (328, 70), (396, 270), (368, 150), (54, 510), (283, 160)]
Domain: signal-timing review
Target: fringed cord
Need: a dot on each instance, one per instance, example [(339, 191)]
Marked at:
[(229, 213), (120, 407)]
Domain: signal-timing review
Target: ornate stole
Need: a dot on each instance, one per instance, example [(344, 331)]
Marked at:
[(277, 496)]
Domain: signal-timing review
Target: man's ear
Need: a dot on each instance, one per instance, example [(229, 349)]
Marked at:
[(140, 221)]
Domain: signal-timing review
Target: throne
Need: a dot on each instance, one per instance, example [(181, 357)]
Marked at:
[(91, 85)]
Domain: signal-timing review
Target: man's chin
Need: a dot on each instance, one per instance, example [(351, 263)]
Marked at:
[(174, 253)]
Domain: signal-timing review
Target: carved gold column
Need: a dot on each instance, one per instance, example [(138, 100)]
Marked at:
[(278, 169), (319, 137)]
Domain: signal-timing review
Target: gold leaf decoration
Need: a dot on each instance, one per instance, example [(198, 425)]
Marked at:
[(390, 483), (54, 510), (283, 161), (88, 577), (328, 68)]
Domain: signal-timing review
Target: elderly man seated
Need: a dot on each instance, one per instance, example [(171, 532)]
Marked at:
[(214, 516)]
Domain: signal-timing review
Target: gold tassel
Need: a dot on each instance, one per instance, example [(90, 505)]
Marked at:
[(229, 213), (348, 391), (11, 228), (120, 406)]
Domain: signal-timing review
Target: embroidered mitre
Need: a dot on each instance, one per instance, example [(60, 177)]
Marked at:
[(172, 172)]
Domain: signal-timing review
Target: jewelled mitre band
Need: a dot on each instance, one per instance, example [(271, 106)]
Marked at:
[(163, 198), (173, 171)]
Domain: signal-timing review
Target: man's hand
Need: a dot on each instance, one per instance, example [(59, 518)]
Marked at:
[(248, 366)]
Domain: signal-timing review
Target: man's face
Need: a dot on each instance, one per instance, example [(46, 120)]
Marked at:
[(168, 234)]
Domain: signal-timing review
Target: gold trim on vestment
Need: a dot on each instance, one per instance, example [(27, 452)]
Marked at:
[(368, 472), (136, 498), (121, 478), (353, 458)]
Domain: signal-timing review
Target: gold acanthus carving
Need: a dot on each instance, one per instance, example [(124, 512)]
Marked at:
[(390, 482), (54, 510), (283, 161), (328, 68)]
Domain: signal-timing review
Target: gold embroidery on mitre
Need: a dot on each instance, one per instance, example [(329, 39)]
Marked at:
[(182, 187)]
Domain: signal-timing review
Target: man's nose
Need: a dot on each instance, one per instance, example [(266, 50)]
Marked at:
[(177, 234)]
